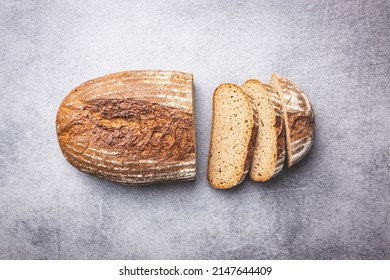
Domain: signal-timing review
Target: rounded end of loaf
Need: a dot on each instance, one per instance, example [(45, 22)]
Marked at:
[(298, 118)]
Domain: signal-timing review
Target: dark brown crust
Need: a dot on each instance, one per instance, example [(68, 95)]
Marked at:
[(301, 127), (118, 128)]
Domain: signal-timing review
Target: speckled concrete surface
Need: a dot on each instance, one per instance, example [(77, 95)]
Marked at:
[(335, 204)]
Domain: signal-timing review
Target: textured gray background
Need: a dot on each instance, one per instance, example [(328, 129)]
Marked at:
[(335, 204)]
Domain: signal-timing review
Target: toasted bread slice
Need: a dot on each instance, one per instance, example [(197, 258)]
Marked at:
[(269, 151), (232, 136), (298, 118)]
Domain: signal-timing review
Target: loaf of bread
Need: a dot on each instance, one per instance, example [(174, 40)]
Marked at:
[(234, 126), (269, 151), (298, 118), (134, 127)]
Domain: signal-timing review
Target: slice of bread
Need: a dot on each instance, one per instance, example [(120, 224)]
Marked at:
[(232, 136), (269, 151), (298, 118)]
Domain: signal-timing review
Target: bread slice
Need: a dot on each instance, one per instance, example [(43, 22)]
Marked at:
[(269, 151), (232, 136), (298, 118)]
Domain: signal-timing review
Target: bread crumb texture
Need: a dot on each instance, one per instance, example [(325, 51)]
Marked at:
[(232, 126)]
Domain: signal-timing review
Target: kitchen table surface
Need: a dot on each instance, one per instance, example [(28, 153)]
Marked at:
[(334, 204)]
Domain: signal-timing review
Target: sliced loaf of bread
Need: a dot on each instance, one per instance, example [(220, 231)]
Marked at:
[(298, 118), (269, 150), (232, 136)]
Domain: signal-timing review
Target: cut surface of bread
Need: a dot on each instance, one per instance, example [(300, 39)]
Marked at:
[(298, 118), (232, 136), (269, 151)]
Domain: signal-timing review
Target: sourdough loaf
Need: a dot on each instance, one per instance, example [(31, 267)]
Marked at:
[(234, 126), (133, 127), (298, 118), (269, 150)]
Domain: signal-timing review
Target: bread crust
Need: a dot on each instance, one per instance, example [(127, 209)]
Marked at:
[(132, 127), (276, 104), (252, 140), (299, 118), (253, 130)]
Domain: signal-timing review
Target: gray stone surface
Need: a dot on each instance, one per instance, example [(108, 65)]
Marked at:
[(335, 204)]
